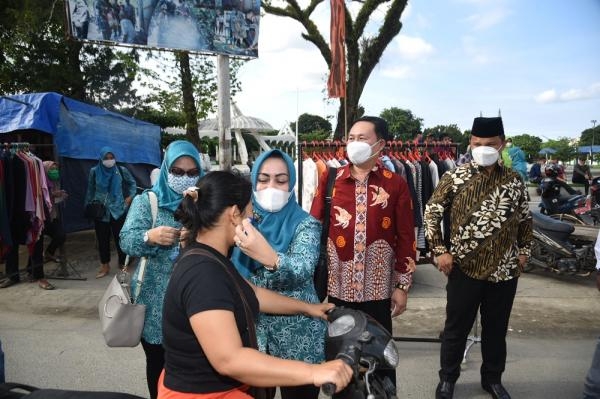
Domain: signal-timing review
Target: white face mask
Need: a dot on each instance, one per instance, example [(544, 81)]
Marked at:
[(484, 155), (272, 199), (359, 152), (109, 163)]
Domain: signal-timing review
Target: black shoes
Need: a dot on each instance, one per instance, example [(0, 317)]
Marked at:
[(496, 390), (444, 390)]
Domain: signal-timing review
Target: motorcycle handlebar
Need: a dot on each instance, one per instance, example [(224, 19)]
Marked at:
[(350, 357)]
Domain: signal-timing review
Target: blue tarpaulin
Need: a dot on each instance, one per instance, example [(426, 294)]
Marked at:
[(81, 129), (78, 131), (586, 149)]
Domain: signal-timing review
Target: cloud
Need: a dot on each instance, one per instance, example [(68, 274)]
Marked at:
[(552, 96), (474, 52), (413, 48), (487, 20), (398, 72)]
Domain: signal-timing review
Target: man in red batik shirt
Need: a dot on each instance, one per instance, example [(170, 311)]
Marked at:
[(371, 232)]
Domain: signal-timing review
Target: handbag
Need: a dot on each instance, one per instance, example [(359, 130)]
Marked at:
[(321, 274), (95, 210), (122, 319)]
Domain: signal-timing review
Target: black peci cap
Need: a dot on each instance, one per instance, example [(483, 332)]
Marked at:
[(487, 127)]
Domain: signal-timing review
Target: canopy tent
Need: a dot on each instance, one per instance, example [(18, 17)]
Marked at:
[(76, 131), (588, 149), (546, 151)]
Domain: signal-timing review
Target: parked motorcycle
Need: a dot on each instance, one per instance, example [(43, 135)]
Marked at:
[(555, 248), (367, 347)]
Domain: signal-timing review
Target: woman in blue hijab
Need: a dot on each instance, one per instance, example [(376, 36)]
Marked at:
[(113, 186), (279, 250), (180, 170)]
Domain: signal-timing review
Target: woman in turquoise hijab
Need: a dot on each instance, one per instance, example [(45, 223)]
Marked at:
[(279, 250), (115, 187), (181, 169)]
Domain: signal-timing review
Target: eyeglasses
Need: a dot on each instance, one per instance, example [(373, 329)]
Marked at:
[(180, 172)]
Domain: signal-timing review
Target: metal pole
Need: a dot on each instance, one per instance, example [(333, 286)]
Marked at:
[(223, 112), (593, 136)]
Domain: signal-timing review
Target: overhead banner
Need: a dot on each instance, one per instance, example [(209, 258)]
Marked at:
[(227, 27)]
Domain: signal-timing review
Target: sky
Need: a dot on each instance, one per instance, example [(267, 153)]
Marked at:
[(537, 61)]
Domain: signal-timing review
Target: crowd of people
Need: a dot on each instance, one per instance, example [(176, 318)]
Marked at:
[(245, 252)]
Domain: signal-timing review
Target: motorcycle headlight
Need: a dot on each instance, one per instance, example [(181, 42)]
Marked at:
[(390, 354), (340, 326)]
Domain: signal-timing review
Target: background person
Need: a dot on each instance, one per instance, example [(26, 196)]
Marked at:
[(281, 254), (53, 225), (582, 174), (208, 340), (517, 157), (490, 241), (113, 186), (180, 169)]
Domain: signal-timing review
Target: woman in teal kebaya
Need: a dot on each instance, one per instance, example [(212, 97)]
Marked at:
[(180, 170), (284, 261)]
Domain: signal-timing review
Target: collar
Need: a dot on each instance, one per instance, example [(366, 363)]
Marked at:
[(345, 170)]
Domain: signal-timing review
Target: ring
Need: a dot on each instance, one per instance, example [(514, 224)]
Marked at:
[(238, 243)]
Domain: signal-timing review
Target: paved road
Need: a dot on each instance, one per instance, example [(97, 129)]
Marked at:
[(52, 338)]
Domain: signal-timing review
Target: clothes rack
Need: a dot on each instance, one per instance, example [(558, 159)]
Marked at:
[(395, 148)]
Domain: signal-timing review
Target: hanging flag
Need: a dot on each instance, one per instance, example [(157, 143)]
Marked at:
[(336, 84)]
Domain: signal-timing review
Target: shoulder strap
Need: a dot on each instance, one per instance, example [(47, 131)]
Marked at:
[(142, 265), (249, 318), (153, 206), (327, 211)]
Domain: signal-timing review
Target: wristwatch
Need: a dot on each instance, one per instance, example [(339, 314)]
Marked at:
[(146, 237), (403, 287), (275, 266)]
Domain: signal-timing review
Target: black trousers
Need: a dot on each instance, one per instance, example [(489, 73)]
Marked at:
[(103, 233), (35, 265), (155, 362), (380, 311), (54, 230), (465, 296), (580, 179)]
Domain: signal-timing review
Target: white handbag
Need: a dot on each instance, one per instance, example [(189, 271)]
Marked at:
[(121, 318)]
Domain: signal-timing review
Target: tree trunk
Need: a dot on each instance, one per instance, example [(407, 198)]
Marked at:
[(76, 79), (189, 106)]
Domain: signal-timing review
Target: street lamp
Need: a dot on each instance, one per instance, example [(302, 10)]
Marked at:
[(593, 136)]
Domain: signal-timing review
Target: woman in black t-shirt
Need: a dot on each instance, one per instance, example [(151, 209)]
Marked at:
[(209, 345)]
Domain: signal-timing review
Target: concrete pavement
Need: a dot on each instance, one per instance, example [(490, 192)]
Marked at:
[(52, 339)]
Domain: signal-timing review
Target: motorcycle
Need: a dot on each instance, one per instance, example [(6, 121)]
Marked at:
[(572, 208), (555, 248), (367, 347)]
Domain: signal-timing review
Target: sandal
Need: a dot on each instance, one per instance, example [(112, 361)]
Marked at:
[(8, 283), (45, 285), (103, 272)]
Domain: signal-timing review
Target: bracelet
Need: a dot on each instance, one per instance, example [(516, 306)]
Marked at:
[(403, 287), (275, 266)]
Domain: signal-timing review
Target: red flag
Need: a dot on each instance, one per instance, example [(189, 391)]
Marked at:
[(336, 84)]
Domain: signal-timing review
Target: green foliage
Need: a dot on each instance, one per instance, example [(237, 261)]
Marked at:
[(440, 131), (589, 135), (36, 56), (531, 145), (564, 150), (403, 125), (316, 135), (308, 123)]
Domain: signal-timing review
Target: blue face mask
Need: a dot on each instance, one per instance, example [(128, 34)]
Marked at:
[(180, 183)]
